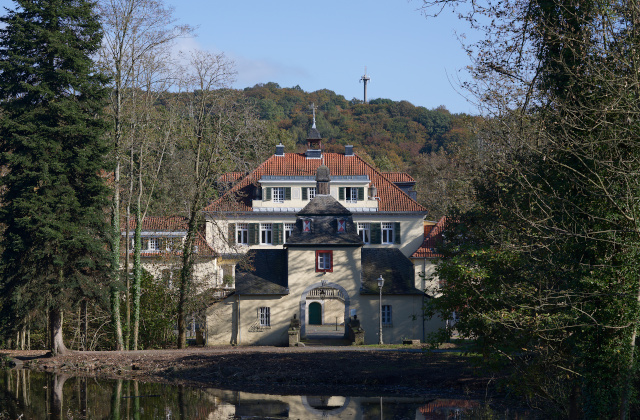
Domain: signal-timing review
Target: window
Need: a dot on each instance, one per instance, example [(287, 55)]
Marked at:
[(387, 233), (242, 234), (324, 261), (351, 195), (264, 316), (306, 225), (266, 233), (147, 244), (288, 229), (308, 193), (364, 231), (278, 195), (386, 315)]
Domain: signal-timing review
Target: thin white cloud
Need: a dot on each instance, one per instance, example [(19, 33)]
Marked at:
[(249, 71), (252, 71)]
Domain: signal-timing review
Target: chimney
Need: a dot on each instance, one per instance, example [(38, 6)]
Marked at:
[(322, 180), (348, 150), (280, 150)]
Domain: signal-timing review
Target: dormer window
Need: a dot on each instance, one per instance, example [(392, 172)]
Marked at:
[(278, 195), (306, 225), (342, 225), (351, 194)]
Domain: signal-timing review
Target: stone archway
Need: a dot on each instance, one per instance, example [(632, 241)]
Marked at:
[(303, 305)]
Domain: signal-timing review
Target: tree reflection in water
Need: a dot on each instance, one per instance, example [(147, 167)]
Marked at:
[(36, 395)]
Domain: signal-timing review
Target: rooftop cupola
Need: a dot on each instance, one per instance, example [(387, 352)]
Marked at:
[(322, 180), (314, 139)]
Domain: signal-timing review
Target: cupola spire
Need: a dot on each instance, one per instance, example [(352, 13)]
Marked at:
[(314, 139), (313, 108)]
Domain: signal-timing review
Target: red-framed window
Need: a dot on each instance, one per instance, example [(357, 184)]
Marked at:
[(324, 261)]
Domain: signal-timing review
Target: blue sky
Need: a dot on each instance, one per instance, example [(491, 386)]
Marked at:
[(327, 44)]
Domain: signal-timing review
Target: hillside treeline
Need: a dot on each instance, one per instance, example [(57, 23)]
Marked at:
[(433, 146)]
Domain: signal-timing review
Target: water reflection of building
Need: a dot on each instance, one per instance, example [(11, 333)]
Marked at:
[(25, 394), (249, 405), (447, 408)]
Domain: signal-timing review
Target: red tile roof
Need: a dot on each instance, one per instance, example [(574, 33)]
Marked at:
[(168, 224), (231, 177), (433, 235), (392, 198), (399, 177), (204, 250), (159, 223)]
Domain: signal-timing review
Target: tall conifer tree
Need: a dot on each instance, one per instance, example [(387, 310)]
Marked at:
[(55, 245)]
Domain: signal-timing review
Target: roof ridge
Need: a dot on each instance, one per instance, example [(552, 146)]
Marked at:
[(373, 168), (291, 162)]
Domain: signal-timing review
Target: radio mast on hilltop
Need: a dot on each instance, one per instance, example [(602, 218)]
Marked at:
[(365, 79)]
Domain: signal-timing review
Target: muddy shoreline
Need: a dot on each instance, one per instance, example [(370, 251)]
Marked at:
[(277, 370)]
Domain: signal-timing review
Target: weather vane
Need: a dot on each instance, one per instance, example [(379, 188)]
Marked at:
[(313, 108)]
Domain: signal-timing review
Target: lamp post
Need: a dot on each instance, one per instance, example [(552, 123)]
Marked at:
[(380, 284)]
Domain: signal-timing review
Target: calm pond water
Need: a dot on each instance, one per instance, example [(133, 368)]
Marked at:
[(35, 395)]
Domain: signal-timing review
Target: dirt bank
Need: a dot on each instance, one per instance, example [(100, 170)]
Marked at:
[(342, 370)]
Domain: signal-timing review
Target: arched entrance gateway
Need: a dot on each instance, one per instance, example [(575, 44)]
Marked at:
[(321, 303)]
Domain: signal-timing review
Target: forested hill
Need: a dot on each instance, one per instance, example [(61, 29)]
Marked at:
[(392, 133)]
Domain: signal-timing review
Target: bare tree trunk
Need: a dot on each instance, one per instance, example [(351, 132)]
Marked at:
[(136, 401), (127, 263), (116, 323), (55, 328), (115, 400), (57, 396), (84, 317), (137, 274), (83, 397)]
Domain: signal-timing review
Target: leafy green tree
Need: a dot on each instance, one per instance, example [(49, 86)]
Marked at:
[(55, 241), (157, 309), (544, 272)]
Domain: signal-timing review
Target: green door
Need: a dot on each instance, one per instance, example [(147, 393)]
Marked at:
[(315, 313)]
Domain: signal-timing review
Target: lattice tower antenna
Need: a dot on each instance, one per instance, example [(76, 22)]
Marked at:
[(365, 79)]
